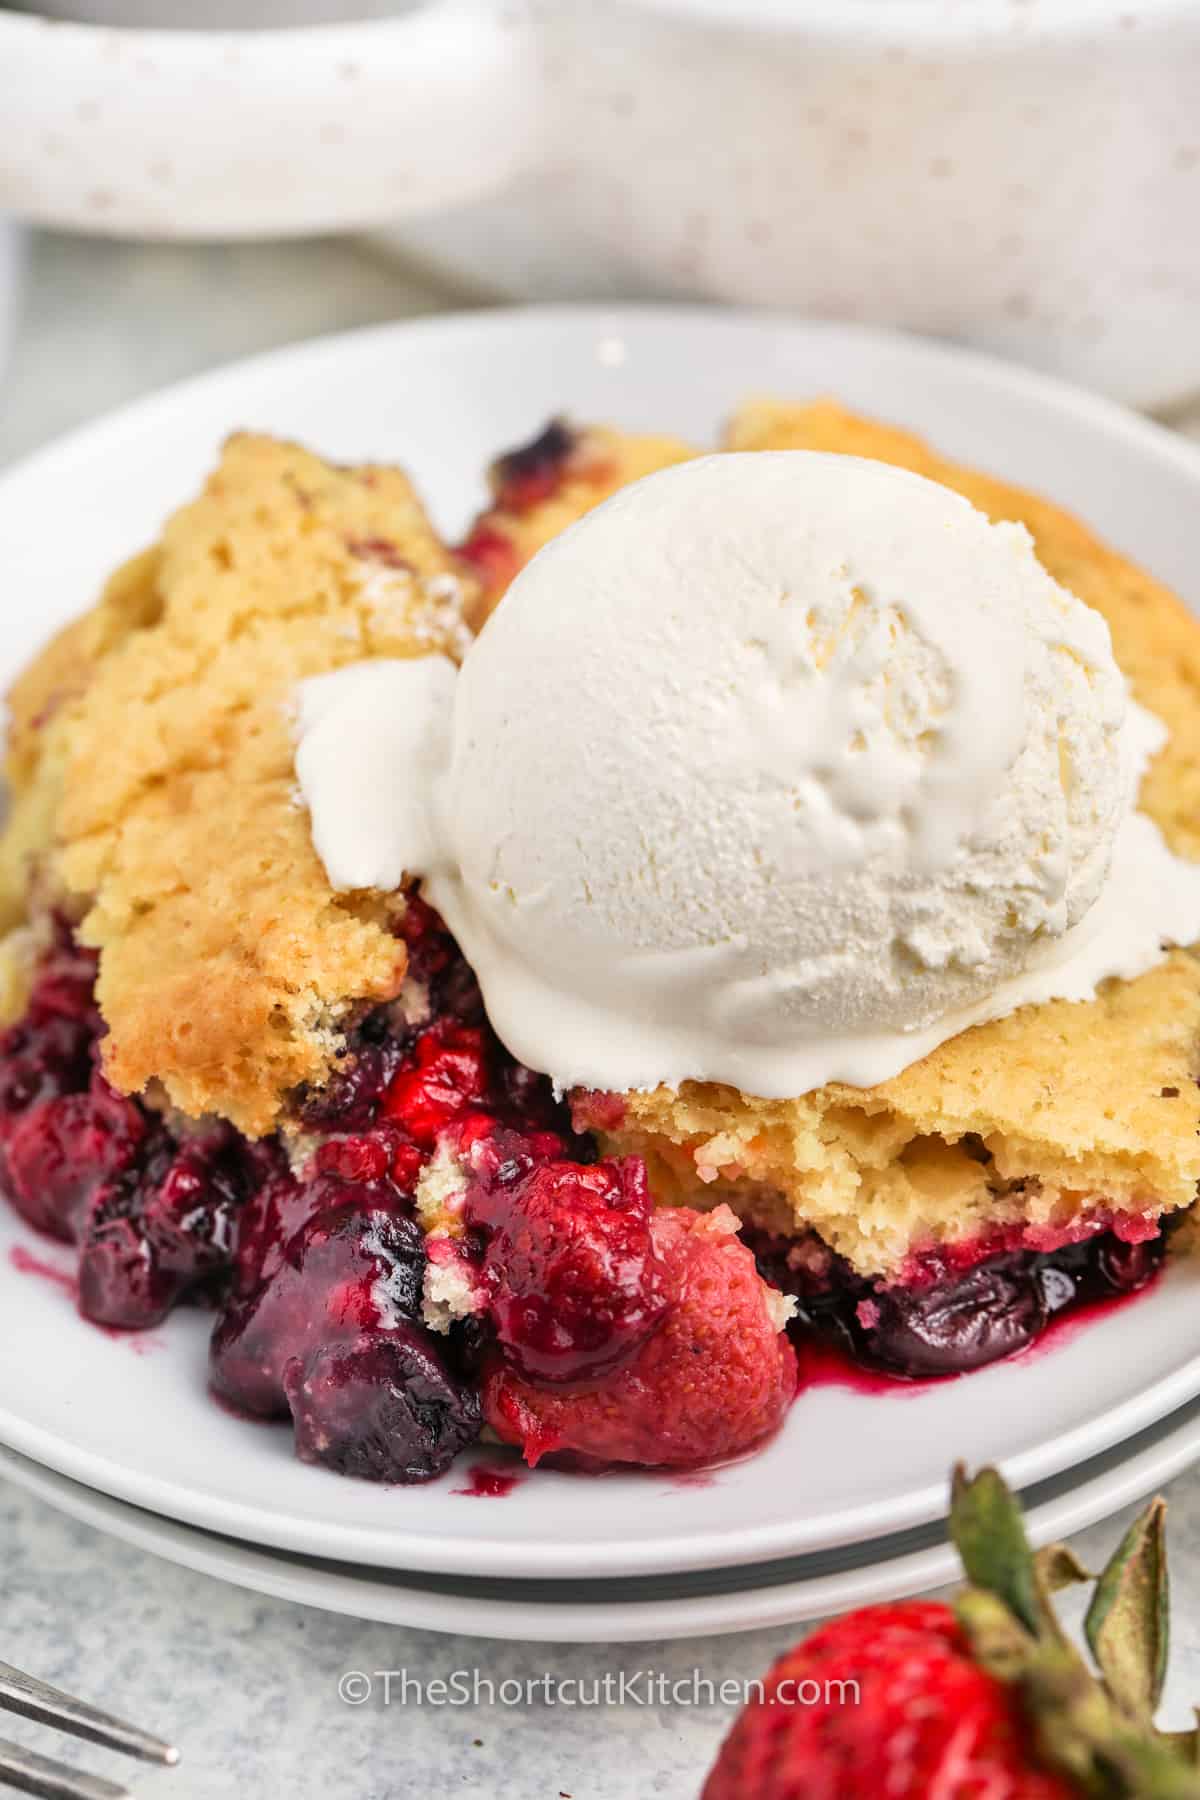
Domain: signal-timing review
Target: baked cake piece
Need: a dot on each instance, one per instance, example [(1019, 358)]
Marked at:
[(150, 763)]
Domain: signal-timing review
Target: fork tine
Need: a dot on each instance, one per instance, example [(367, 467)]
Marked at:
[(34, 1774), (33, 1699)]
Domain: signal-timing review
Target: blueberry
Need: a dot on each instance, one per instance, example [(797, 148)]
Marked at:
[(1126, 1267), (351, 1267), (382, 1407), (950, 1327), (349, 1101), (158, 1228)]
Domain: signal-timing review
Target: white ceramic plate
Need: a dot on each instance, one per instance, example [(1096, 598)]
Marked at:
[(633, 1609), (442, 397)]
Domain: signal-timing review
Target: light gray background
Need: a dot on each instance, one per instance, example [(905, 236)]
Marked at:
[(248, 1686)]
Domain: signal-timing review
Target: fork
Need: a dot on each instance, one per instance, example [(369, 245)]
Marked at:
[(34, 1774)]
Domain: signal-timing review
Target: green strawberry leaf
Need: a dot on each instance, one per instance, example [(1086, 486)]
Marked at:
[(989, 1532), (1080, 1730), (1127, 1623)]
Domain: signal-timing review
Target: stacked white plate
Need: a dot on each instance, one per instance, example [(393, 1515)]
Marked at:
[(847, 1503)]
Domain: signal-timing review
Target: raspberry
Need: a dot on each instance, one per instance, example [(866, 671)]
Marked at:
[(573, 1280), (382, 1152), (407, 1163), (356, 1158), (445, 1075)]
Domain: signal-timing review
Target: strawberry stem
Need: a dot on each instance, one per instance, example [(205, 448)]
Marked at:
[(1097, 1731)]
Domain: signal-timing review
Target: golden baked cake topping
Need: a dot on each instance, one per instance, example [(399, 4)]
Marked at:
[(152, 771)]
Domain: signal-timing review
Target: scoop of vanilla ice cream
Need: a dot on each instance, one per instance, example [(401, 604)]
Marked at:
[(774, 770), (769, 749)]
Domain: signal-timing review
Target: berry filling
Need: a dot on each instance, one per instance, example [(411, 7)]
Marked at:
[(955, 1314), (162, 1228), (492, 554), (432, 1246), (332, 1336), (381, 1407), (523, 479), (533, 473), (574, 1283)]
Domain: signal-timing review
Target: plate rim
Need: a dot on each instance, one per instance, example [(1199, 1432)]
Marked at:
[(604, 318), (1078, 1504)]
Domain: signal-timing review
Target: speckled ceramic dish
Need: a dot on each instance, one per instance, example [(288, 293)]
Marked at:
[(881, 161)]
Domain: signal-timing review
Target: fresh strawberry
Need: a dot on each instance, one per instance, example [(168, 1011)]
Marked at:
[(904, 1712), (987, 1700)]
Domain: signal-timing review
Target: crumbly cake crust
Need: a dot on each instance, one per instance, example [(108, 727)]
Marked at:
[(1033, 1120), (151, 763)]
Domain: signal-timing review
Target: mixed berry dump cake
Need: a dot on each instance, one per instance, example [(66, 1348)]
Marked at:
[(309, 1244), (232, 1084)]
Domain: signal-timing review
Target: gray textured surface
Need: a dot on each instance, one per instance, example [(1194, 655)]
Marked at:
[(248, 1686), (102, 320)]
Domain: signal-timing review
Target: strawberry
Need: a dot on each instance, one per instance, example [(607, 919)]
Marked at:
[(986, 1700), (927, 1719), (688, 1366)]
